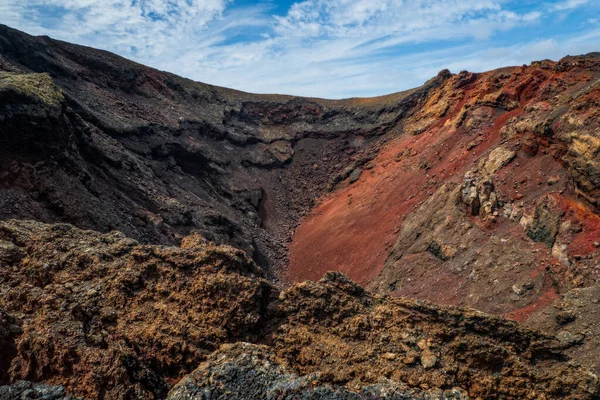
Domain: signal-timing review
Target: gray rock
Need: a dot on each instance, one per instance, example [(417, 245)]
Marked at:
[(23, 390), (565, 317), (566, 338), (546, 222), (355, 175), (522, 288)]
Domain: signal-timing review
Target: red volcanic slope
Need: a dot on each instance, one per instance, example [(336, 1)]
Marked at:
[(531, 110)]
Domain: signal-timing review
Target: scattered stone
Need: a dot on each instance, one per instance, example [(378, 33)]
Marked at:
[(355, 175), (517, 289), (559, 251), (498, 158), (246, 371), (428, 359), (565, 317), (442, 251), (403, 154), (522, 288), (553, 180), (9, 253), (566, 338), (474, 143)]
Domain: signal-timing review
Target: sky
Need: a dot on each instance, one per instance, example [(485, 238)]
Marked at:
[(317, 48)]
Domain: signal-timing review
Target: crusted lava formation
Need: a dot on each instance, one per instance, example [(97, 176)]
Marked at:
[(157, 232), (106, 317)]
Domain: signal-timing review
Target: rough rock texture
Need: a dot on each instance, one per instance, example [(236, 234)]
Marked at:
[(9, 330), (23, 390), (352, 337), (106, 317), (246, 371), (575, 318)]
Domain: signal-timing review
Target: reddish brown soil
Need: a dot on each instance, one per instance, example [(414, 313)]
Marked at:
[(352, 229), (544, 300)]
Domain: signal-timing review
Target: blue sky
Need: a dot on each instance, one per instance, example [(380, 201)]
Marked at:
[(322, 48)]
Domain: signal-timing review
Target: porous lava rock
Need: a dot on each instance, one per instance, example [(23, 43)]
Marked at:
[(106, 317)]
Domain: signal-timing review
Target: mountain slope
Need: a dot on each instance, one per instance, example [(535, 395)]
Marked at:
[(156, 156)]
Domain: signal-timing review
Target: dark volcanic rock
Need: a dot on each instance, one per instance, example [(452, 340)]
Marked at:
[(245, 371), (92, 139), (9, 330), (23, 390), (546, 221), (355, 175)]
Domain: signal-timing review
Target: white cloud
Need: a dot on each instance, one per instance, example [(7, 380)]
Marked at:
[(336, 48), (423, 19), (328, 48), (148, 28), (569, 4)]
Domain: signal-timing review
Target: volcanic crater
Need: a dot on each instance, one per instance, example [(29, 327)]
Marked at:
[(164, 238)]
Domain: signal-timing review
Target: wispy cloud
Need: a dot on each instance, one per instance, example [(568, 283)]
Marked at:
[(328, 48), (569, 4), (144, 28)]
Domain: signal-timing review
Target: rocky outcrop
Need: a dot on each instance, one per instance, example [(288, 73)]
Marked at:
[(407, 341), (106, 317), (545, 221), (519, 145), (23, 390), (245, 371), (584, 168), (480, 197), (580, 129)]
